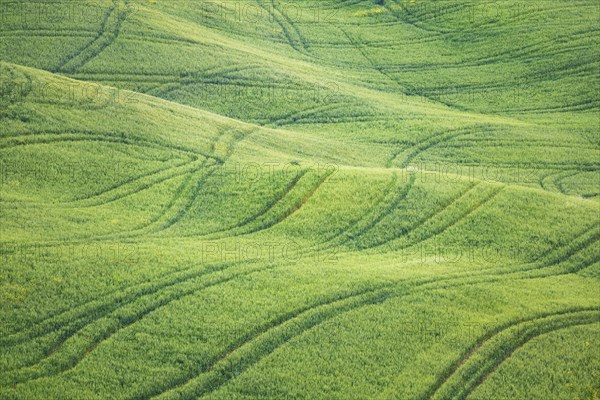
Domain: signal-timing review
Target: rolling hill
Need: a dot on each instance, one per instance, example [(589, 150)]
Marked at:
[(312, 200)]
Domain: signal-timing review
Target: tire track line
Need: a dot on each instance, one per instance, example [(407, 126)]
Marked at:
[(71, 136), (470, 211), (105, 38), (387, 195), (478, 373), (384, 293), (139, 184), (164, 220), (292, 42), (83, 341), (428, 143), (301, 38), (288, 210), (280, 198), (108, 14), (257, 346), (395, 202), (433, 217), (56, 321)]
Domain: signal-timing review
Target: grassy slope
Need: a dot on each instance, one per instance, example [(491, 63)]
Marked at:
[(298, 200)]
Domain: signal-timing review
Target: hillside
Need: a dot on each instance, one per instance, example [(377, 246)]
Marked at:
[(265, 200)]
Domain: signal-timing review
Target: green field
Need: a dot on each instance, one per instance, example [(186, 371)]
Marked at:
[(337, 199)]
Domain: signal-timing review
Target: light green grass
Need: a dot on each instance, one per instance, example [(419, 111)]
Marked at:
[(333, 200)]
